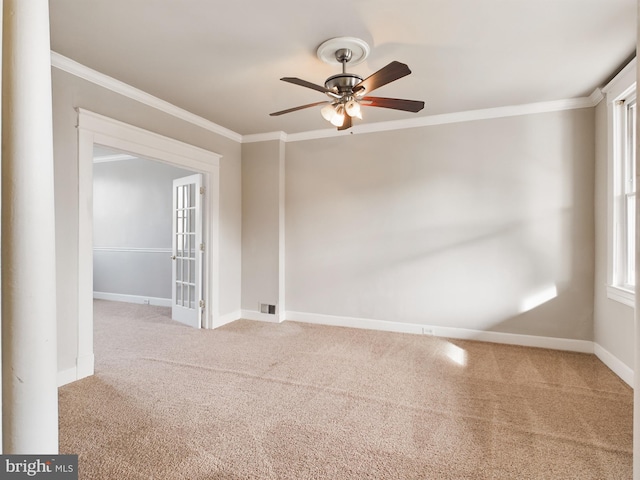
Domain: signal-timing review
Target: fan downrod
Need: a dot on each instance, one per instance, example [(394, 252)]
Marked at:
[(344, 55), (343, 82)]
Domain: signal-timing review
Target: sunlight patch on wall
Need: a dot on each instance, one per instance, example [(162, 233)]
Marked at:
[(538, 298)]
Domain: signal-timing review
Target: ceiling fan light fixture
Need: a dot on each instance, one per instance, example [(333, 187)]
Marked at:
[(353, 109), (359, 93), (338, 118), (328, 112)]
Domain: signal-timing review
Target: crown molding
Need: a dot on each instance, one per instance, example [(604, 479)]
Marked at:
[(596, 96), (81, 71), (458, 117), (74, 68), (626, 76), (265, 137)]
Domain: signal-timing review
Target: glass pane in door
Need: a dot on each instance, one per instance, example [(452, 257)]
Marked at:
[(185, 241)]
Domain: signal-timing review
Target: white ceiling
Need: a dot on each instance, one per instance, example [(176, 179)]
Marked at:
[(223, 60)]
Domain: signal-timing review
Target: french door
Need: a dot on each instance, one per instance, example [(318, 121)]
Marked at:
[(187, 303)]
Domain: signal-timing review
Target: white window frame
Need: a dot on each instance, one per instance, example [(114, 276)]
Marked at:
[(620, 94)]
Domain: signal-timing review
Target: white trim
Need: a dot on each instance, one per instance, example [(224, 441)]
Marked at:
[(596, 96), (228, 318), (264, 137), (67, 376), (620, 87), (153, 145), (85, 244), (262, 317), (281, 231), (84, 366), (446, 118), (139, 299), (615, 364), (133, 249), (97, 129), (81, 71), (621, 295), (118, 157), (74, 68), (567, 344), (622, 80)]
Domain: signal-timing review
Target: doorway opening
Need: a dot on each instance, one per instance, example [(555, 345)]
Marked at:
[(95, 129), (147, 234)]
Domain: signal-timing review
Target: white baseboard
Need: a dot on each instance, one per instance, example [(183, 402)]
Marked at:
[(227, 318), (262, 317), (614, 363), (67, 376), (354, 322), (85, 365), (553, 343), (84, 368), (568, 344), (121, 297)]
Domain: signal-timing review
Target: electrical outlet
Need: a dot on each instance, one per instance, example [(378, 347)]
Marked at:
[(427, 331), (145, 301)]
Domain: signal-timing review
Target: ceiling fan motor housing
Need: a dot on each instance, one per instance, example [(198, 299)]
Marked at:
[(343, 82)]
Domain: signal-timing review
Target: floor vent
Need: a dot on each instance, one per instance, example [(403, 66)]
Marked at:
[(268, 309)]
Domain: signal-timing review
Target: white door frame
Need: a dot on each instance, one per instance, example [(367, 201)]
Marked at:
[(95, 129)]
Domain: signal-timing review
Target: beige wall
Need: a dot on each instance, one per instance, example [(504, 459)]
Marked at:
[(261, 224), (462, 225), (70, 92), (613, 321)]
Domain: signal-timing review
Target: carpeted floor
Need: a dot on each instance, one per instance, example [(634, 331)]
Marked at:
[(294, 401)]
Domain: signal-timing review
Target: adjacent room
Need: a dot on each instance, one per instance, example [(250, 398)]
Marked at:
[(132, 225)]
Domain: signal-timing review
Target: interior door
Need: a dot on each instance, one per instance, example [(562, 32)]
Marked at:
[(188, 251)]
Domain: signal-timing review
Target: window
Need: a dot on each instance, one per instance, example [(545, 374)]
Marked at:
[(625, 208), (621, 106)]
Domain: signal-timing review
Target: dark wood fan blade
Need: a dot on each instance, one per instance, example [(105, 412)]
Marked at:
[(294, 109), (304, 83), (394, 103), (388, 74), (346, 124)]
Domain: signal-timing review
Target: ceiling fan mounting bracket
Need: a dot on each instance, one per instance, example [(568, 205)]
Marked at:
[(343, 55), (332, 51)]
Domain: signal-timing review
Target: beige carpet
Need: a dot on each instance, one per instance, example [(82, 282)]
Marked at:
[(294, 401)]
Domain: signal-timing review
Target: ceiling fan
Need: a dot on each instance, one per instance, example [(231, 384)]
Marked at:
[(349, 92)]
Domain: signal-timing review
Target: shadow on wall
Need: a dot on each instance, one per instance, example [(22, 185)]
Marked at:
[(495, 234), (501, 280)]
